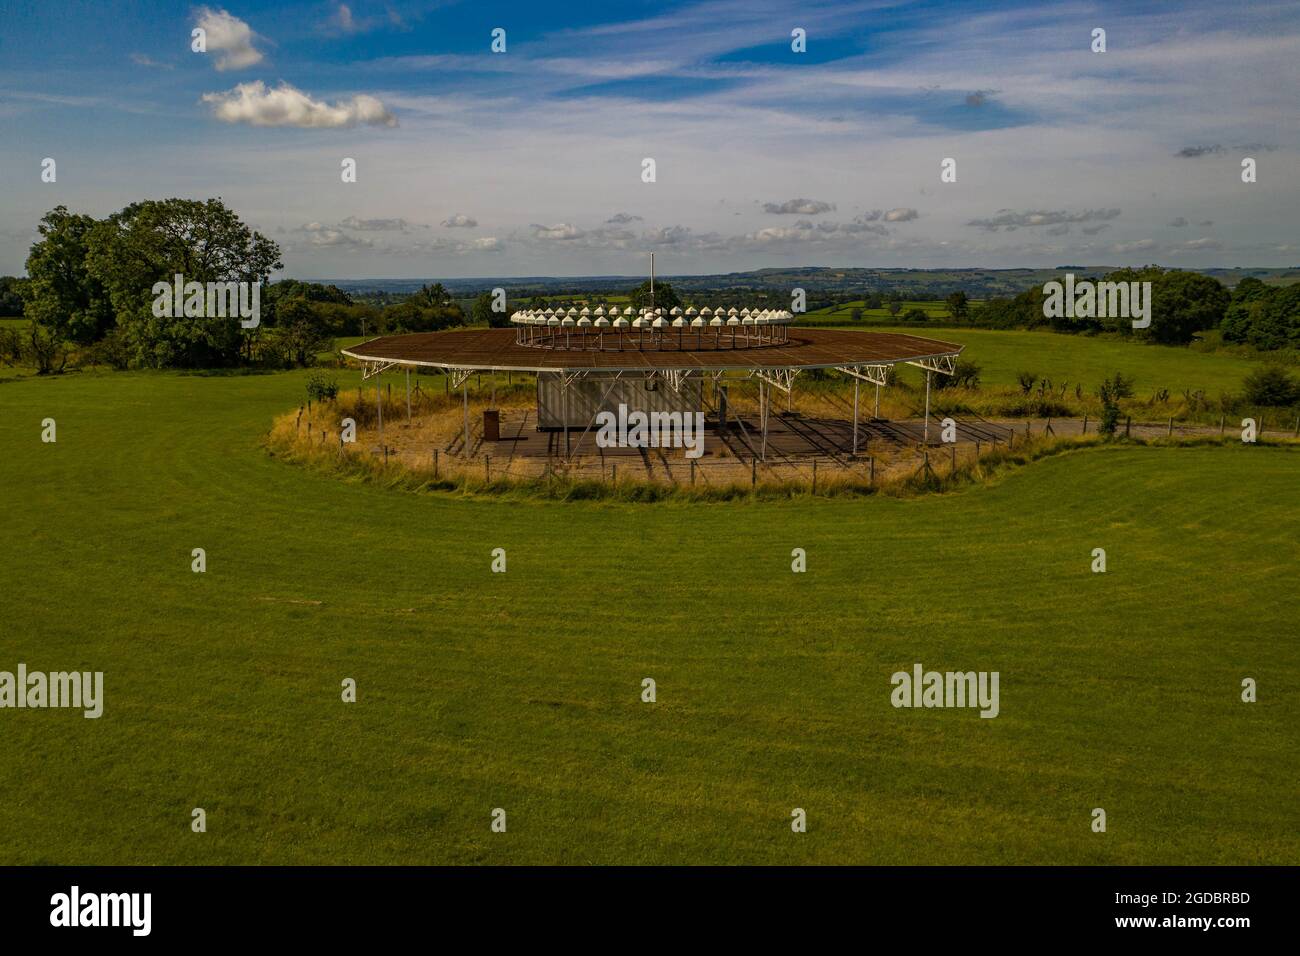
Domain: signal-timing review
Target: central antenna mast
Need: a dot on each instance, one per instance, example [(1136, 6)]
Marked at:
[(652, 282)]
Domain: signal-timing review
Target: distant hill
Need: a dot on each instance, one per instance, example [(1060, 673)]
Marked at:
[(818, 280)]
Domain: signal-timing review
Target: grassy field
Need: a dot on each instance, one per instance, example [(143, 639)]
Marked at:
[(1002, 354), (522, 690)]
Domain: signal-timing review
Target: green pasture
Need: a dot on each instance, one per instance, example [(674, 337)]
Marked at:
[(523, 690)]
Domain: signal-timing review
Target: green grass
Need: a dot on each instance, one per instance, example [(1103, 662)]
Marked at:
[(1001, 355), (522, 690)]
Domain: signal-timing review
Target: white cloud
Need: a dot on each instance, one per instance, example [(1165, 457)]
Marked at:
[(561, 230), (257, 105), (377, 225), (343, 19), (801, 207), (230, 37), (902, 214), (460, 221)]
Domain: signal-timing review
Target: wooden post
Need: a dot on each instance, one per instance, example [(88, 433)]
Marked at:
[(1085, 423), (1222, 419), (385, 454), (1297, 426), (1171, 425), (954, 458), (814, 488), (872, 479), (1128, 426), (487, 468), (435, 464), (379, 407), (408, 394), (753, 472), (613, 472), (692, 472), (977, 449)]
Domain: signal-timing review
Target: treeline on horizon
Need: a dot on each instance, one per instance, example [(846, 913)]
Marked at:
[(88, 297)]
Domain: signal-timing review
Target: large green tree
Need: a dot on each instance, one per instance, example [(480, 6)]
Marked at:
[(665, 297), (151, 241), (62, 294)]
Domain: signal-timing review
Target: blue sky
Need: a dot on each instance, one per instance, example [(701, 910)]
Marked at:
[(529, 162)]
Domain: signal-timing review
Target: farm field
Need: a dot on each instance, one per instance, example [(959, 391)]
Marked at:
[(522, 690), (1002, 354)]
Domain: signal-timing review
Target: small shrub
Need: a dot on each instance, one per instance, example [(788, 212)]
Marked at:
[(1271, 385), (321, 387)]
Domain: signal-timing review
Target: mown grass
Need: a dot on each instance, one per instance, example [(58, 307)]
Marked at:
[(1073, 359), (522, 690)]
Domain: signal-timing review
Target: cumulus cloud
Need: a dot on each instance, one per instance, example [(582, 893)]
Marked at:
[(376, 225), (1195, 152), (1140, 245), (230, 37), (561, 230), (902, 214), (622, 218), (460, 221), (255, 104), (322, 235), (801, 207), (1010, 220)]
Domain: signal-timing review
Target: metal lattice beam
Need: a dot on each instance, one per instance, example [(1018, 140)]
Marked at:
[(782, 378), (371, 369), (943, 364), (875, 374)]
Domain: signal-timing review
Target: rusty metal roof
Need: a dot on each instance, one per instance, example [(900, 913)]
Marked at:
[(496, 350)]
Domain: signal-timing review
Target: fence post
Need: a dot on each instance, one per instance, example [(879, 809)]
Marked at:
[(753, 472), (435, 464), (1128, 426), (872, 479), (954, 458), (692, 472), (385, 454), (613, 472), (1171, 425), (814, 488), (487, 468), (1085, 423), (1222, 419)]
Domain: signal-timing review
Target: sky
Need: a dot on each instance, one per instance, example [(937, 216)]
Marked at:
[(531, 161)]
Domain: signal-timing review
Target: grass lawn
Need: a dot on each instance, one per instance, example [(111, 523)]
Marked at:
[(1002, 354), (522, 690)]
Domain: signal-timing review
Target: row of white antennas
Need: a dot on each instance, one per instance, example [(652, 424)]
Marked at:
[(651, 318)]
